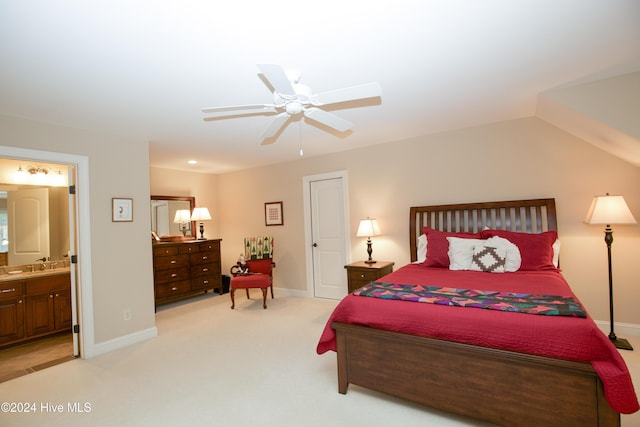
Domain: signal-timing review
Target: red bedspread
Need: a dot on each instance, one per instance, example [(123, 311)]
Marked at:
[(568, 338)]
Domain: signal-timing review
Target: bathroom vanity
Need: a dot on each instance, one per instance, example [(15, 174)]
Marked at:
[(34, 304)]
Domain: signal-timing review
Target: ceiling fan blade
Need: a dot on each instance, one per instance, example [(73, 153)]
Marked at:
[(241, 109), (275, 125), (367, 90), (328, 119), (277, 78)]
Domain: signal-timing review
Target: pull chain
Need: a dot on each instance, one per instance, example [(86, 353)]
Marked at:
[(300, 137)]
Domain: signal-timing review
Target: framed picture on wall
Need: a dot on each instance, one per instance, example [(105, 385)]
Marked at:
[(273, 213), (122, 210)]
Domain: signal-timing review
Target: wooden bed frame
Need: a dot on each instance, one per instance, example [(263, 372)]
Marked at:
[(502, 387)]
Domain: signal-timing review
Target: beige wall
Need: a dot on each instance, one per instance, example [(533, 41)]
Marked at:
[(119, 275), (517, 159), (511, 160)]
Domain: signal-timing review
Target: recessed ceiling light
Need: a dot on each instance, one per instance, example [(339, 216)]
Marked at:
[(192, 162)]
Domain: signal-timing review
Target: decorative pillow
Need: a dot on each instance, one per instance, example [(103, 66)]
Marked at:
[(489, 259), (514, 260), (438, 246), (461, 252), (422, 248), (536, 250), (556, 253)]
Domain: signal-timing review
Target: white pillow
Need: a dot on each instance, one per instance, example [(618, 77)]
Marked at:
[(461, 252), (422, 248), (556, 252), (489, 258), (514, 259)]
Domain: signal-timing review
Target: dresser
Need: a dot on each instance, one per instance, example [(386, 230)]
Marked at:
[(185, 269)]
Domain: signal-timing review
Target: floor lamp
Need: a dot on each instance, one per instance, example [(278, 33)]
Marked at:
[(610, 210)]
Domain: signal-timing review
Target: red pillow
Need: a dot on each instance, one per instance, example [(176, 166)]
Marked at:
[(536, 250), (438, 246)]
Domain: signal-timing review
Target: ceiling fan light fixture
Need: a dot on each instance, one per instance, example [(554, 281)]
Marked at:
[(294, 107)]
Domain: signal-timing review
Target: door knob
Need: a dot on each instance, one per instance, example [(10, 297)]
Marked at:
[(315, 245)]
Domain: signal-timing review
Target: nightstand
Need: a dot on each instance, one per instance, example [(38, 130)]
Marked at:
[(360, 273)]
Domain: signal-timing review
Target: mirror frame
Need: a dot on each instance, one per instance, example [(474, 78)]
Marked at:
[(190, 199)]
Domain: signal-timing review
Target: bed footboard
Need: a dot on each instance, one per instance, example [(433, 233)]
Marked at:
[(501, 387)]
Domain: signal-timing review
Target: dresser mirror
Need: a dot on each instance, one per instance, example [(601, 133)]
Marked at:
[(163, 213)]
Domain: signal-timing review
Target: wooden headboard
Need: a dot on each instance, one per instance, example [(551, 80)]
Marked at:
[(527, 216)]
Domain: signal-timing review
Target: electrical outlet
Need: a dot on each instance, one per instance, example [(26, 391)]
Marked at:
[(126, 314)]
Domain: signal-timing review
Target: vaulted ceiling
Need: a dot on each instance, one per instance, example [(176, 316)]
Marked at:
[(145, 69)]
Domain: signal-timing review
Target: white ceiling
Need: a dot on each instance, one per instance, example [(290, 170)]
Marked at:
[(144, 69)]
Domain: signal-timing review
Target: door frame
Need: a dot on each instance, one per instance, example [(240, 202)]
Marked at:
[(81, 286), (308, 237)]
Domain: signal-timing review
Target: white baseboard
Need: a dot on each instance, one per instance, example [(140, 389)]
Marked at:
[(621, 329), (291, 292), (118, 343)]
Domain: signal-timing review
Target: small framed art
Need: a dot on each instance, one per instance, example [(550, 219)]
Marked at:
[(273, 213), (122, 210)]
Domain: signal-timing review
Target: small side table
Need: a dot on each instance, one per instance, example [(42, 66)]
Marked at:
[(360, 273)]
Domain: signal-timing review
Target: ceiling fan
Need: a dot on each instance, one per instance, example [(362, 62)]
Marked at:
[(291, 98)]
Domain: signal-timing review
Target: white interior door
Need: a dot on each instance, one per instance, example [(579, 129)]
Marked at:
[(28, 217), (328, 235)]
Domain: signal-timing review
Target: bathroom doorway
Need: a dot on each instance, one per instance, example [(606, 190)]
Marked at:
[(40, 348)]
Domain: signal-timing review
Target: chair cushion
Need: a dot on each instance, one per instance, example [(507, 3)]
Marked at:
[(251, 281), (260, 265)]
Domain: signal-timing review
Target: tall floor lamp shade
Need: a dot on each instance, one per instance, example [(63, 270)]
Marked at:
[(368, 228), (610, 210)]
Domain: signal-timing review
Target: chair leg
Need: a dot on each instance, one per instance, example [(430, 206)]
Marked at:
[(247, 289), (271, 286), (233, 301), (264, 298)]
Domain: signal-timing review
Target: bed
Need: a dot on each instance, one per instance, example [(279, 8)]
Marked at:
[(508, 368)]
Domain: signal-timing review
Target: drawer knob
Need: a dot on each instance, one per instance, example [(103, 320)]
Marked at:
[(362, 276), (174, 275), (4, 291), (174, 289), (205, 257), (173, 261)]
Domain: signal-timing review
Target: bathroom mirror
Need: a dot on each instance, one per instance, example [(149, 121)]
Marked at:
[(163, 212)]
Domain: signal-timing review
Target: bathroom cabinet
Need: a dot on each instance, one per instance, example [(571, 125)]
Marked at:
[(34, 305)]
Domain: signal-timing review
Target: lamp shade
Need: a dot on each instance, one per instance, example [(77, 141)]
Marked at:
[(368, 228), (200, 214), (182, 215), (609, 210)]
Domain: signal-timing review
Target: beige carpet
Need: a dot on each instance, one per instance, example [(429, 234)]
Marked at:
[(212, 366)]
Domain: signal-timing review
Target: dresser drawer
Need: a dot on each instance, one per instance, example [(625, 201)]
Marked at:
[(164, 250), (211, 269), (188, 248), (206, 282), (209, 247), (166, 262), (363, 275), (169, 290), (173, 275), (203, 258)]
